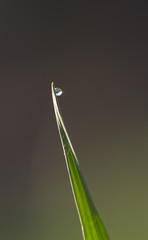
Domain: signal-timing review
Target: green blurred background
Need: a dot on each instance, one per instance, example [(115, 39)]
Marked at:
[(97, 53)]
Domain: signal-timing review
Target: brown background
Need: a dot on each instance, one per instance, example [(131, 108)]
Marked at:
[(98, 55)]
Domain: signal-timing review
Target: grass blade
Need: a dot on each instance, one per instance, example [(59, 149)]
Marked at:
[(92, 225)]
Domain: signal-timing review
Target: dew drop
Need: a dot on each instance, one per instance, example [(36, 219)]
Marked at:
[(58, 91)]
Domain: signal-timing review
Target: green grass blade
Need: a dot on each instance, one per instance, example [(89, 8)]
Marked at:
[(92, 226)]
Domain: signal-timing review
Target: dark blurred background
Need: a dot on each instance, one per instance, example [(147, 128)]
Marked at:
[(98, 55)]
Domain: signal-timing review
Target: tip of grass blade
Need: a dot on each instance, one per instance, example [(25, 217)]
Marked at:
[(92, 225)]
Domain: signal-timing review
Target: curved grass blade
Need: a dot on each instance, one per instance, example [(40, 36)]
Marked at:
[(92, 225)]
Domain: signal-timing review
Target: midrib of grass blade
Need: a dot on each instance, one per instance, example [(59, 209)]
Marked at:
[(92, 225)]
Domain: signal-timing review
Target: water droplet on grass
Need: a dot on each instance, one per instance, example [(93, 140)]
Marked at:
[(58, 91)]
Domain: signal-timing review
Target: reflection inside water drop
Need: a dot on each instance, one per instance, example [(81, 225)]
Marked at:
[(58, 91)]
